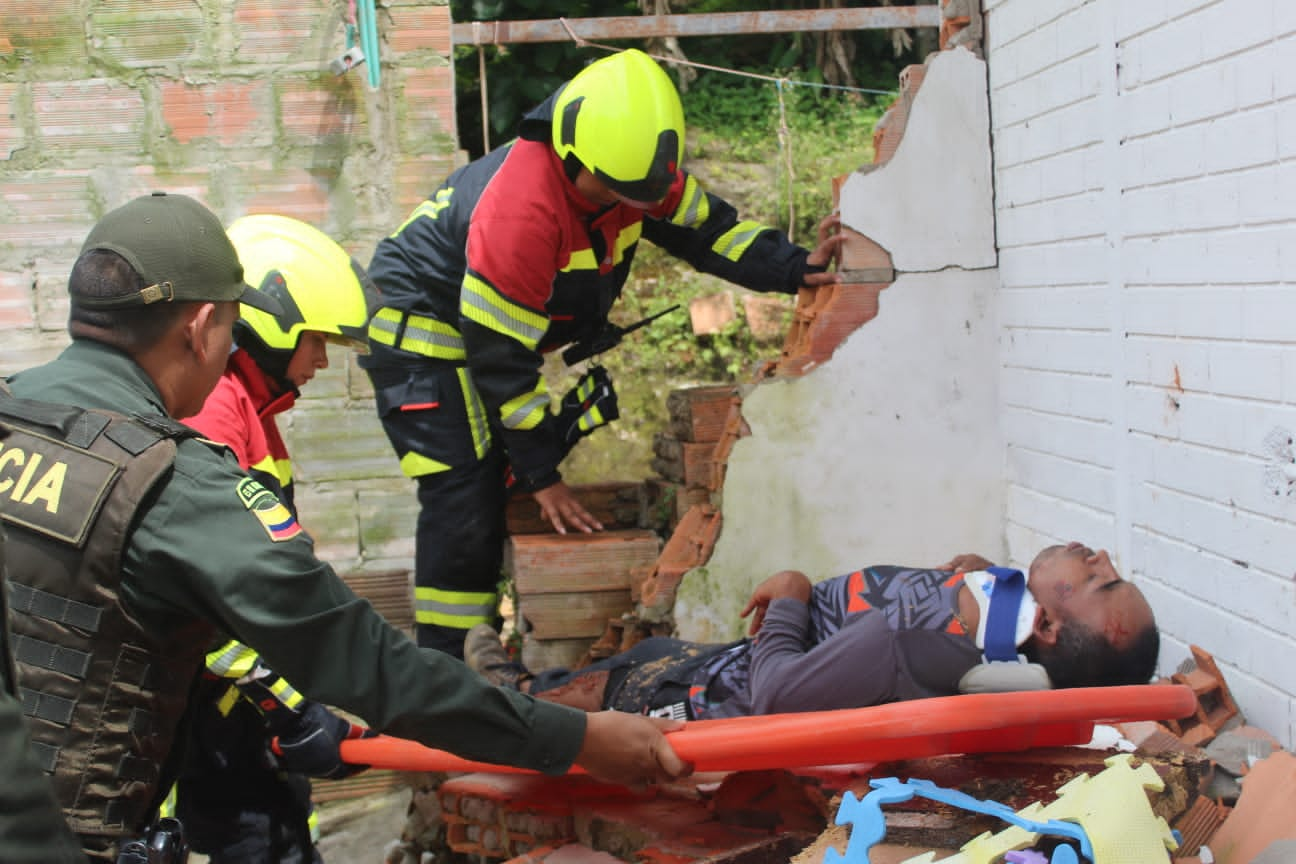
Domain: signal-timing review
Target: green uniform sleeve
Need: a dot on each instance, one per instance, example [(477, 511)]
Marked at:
[(213, 546)]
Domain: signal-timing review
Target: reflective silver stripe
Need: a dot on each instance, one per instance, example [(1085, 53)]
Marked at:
[(734, 243), (460, 609), (425, 336), (481, 303), (432, 338), (694, 207), (476, 410), (528, 414), (231, 660)]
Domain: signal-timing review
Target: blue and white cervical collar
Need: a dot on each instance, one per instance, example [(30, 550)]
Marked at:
[(1007, 612)]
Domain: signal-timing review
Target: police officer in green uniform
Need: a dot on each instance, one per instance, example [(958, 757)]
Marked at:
[(138, 540), (32, 830)]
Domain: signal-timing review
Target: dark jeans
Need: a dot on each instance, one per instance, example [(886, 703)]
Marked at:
[(654, 674)]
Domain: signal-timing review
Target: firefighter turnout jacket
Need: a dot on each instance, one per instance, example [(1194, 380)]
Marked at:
[(506, 260)]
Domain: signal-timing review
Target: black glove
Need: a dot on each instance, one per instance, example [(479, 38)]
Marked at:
[(313, 745), (590, 404)]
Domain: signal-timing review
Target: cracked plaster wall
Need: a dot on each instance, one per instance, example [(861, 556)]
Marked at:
[(890, 452)]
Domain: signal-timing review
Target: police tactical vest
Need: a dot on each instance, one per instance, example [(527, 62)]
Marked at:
[(103, 696)]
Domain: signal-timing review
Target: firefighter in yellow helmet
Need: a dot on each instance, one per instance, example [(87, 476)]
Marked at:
[(243, 793), (517, 253)]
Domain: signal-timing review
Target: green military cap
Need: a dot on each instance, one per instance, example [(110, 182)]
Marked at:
[(180, 249)]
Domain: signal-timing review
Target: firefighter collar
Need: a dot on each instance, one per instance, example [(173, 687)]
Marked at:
[(1007, 611)]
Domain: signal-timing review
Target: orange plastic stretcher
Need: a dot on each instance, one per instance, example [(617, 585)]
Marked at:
[(978, 723)]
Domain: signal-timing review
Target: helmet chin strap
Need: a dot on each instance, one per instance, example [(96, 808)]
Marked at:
[(273, 363)]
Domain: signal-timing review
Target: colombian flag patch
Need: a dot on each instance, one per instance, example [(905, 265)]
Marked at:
[(277, 519)]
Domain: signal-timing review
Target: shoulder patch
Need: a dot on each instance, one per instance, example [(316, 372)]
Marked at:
[(277, 519)]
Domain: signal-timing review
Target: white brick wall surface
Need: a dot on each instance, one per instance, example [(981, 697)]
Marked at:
[(1145, 174)]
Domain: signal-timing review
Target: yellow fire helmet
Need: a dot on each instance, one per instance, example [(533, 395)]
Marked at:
[(319, 286), (621, 117)]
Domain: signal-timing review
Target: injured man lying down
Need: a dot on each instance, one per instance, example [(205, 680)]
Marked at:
[(880, 634)]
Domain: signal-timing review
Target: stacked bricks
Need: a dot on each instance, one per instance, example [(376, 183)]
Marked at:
[(530, 818), (684, 455), (569, 586)]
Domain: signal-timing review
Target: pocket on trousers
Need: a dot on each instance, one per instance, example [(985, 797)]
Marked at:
[(422, 411)]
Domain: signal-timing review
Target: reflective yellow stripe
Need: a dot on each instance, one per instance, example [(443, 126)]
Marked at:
[(228, 700), (476, 414), (430, 209), (481, 303), (526, 411), (312, 822), (280, 469), (231, 660), (424, 336), (591, 419), (285, 693), (734, 242), (168, 807), (694, 207), (584, 259), (460, 609), (416, 465)]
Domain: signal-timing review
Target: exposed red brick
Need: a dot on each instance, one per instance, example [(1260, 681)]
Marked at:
[(689, 546), (16, 300), (617, 506), (890, 128), (288, 192), (767, 315), (735, 427), (230, 112), (38, 210), (417, 176), (699, 413), (772, 800), (94, 115), (1215, 705), (170, 32), (1199, 824), (428, 97), (560, 563), (825, 316), (12, 136), (272, 30), (710, 314), (39, 30), (419, 28), (313, 111)]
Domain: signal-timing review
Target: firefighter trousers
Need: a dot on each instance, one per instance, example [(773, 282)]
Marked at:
[(437, 427)]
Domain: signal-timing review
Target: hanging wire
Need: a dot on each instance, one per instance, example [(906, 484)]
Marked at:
[(785, 147)]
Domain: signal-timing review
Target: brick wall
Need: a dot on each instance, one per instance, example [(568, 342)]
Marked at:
[(1145, 186), (229, 101)]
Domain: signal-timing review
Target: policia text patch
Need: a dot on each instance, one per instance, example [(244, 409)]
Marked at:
[(52, 487)]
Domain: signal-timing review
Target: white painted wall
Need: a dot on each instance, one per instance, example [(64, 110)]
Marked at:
[(1146, 217), (891, 451)]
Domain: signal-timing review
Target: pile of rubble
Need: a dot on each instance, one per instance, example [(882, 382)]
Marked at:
[(1204, 789)]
